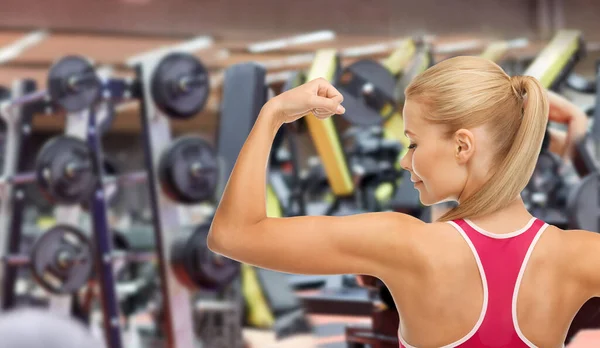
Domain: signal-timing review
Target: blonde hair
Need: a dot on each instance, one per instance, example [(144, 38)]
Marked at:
[(467, 92)]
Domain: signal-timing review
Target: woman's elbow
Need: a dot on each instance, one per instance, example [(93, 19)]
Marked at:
[(216, 239)]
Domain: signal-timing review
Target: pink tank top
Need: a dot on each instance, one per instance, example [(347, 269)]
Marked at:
[(501, 259)]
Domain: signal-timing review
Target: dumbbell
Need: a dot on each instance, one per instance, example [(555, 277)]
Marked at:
[(188, 171)]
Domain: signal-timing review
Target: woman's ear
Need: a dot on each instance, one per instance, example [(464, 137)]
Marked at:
[(464, 145)]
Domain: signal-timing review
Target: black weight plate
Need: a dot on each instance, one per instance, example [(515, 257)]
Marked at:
[(45, 265), (59, 77), (180, 254), (209, 270), (196, 267), (178, 179), (167, 85), (583, 204), (363, 109), (51, 170)]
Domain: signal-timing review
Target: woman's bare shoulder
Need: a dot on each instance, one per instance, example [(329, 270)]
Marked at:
[(574, 240), (578, 255)]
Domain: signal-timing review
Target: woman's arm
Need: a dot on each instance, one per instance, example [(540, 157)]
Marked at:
[(564, 112), (241, 230)]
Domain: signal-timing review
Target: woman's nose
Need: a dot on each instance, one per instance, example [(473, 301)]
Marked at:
[(405, 162)]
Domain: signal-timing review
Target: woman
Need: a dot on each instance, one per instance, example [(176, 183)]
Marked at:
[(487, 273), (560, 142)]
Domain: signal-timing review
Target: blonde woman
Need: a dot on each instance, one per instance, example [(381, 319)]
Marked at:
[(487, 273), (559, 142)]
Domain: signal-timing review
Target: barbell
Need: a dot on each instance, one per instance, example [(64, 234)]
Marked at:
[(62, 260), (179, 86), (188, 171)]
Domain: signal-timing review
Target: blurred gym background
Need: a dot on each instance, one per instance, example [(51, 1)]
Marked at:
[(282, 36), (111, 33)]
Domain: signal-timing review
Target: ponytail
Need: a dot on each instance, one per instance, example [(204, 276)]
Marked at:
[(517, 163)]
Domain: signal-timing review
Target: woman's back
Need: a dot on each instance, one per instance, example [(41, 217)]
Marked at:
[(443, 302)]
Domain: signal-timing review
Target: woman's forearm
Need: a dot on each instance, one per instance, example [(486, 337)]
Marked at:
[(244, 200)]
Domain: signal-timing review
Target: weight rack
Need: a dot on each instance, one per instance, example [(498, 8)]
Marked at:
[(87, 129), (18, 131), (156, 137)]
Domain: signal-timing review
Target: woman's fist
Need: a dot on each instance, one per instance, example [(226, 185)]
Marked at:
[(318, 97)]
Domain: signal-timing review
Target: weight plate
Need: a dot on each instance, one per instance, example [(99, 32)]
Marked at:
[(367, 87), (199, 268), (63, 170), (180, 255), (62, 259), (72, 96), (173, 90), (188, 170), (583, 203)]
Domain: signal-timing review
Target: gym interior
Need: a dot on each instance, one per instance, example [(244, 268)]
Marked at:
[(103, 242)]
